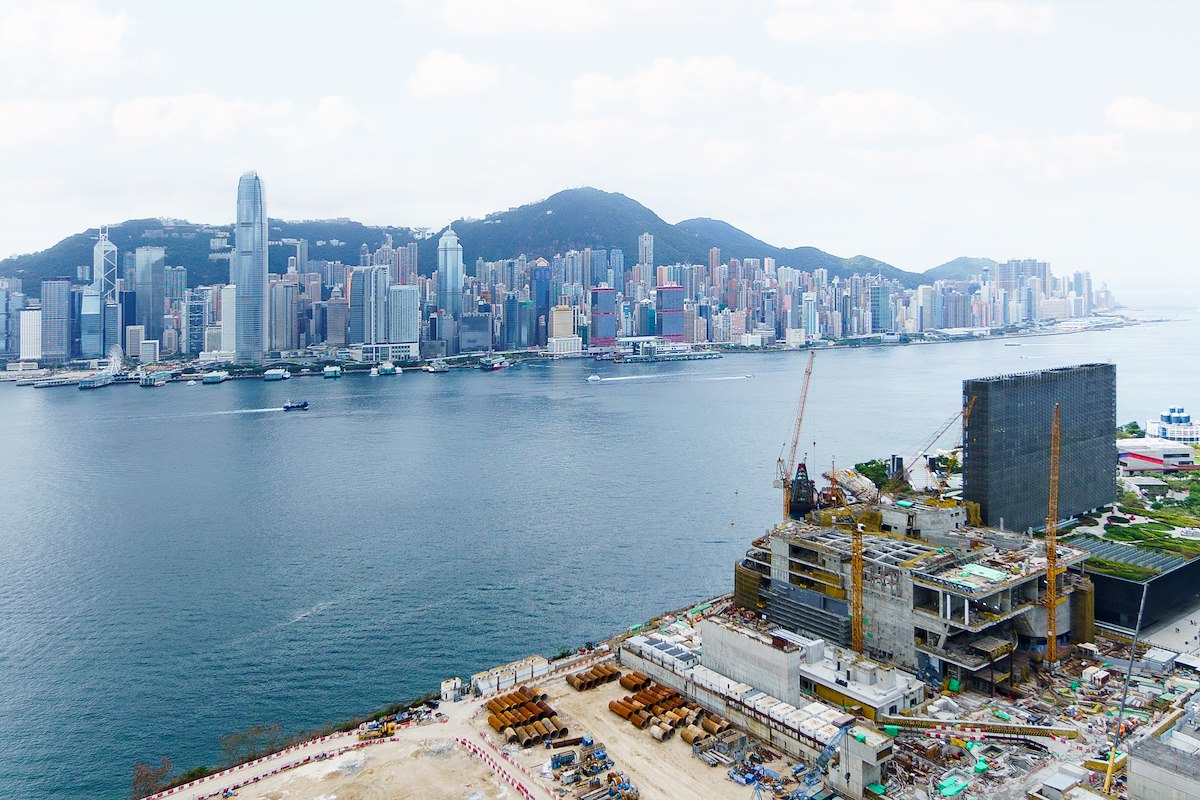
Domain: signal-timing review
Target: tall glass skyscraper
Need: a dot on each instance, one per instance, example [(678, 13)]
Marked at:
[(150, 285), (450, 288), (248, 270), (56, 319)]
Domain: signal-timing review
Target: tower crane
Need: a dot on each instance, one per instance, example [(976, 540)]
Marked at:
[(793, 477), (1052, 569)]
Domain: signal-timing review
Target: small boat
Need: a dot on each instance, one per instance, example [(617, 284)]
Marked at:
[(374, 372), (290, 406), (388, 368), (190, 383), (333, 371), (437, 366), (593, 379)]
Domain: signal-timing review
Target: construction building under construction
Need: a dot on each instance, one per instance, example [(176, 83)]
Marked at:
[(957, 604)]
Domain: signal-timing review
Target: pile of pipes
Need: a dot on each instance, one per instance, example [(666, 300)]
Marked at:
[(523, 717), (665, 712), (635, 682), (591, 678)]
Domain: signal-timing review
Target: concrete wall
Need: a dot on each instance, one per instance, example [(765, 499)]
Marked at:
[(747, 660), (1149, 781)]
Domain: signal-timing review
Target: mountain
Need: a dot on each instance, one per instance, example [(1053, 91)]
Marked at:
[(960, 269), (571, 219)]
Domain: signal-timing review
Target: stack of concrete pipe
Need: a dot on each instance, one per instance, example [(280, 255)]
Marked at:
[(523, 717), (591, 678)]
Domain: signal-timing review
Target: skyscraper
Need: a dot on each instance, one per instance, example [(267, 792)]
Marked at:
[(283, 316), (56, 319), (540, 278), (404, 314), (450, 287), (104, 266), (368, 305), (91, 324), (149, 283), (881, 309), (646, 254), (248, 270)]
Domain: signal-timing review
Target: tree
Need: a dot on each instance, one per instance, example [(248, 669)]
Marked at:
[(875, 471), (250, 743), (148, 779), (1131, 430)]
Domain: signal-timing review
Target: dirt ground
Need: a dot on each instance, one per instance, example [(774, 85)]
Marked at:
[(430, 769), (660, 770)]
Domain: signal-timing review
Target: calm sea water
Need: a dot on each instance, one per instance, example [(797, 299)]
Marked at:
[(180, 563)]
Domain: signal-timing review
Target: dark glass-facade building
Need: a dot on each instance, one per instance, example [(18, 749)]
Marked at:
[(1006, 449)]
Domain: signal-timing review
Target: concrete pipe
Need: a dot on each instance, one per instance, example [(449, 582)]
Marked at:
[(620, 709)]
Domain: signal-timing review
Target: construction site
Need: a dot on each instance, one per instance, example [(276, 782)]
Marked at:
[(881, 641)]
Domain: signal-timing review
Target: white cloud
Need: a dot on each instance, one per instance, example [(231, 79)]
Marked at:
[(523, 17), (883, 115), (25, 121), (193, 116), (903, 20), (53, 44), (1140, 115), (441, 74)]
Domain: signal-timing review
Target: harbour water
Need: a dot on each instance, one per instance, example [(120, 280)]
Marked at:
[(183, 562)]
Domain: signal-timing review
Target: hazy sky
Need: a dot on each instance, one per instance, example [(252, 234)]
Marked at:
[(913, 131)]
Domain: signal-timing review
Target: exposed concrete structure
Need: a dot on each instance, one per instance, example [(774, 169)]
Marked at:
[(952, 605), (1168, 767)]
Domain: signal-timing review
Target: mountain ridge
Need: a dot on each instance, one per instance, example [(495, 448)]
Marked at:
[(570, 219)]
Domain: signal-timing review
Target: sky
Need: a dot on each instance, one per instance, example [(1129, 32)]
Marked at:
[(912, 131)]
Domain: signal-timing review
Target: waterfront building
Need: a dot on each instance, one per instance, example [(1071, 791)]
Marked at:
[(368, 305), (282, 317), (565, 345), (149, 285), (134, 335), (229, 318), (248, 271), (57, 316), (475, 332), (148, 351), (91, 324), (668, 312), (450, 277), (1174, 424), (1006, 448), (337, 322), (603, 326), (562, 322), (881, 309), (404, 314), (30, 334)]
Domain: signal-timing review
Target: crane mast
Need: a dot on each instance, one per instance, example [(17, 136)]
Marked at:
[(787, 469), (1052, 570)]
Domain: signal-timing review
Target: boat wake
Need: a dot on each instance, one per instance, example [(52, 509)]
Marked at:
[(729, 378), (627, 378), (310, 612)]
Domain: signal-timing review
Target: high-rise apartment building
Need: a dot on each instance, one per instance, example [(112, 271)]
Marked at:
[(229, 318), (368, 305), (248, 270), (404, 314), (603, 328), (175, 283), (646, 255)]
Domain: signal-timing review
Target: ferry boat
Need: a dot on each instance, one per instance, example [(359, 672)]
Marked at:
[(277, 374), (333, 371), (437, 366), (374, 372), (97, 380), (219, 376), (492, 363), (388, 368), (153, 380), (288, 405)]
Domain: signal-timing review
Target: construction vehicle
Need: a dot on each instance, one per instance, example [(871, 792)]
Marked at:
[(813, 776), (799, 492), (375, 730)]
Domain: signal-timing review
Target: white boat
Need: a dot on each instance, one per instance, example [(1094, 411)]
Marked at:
[(219, 376), (388, 368), (277, 374), (437, 366), (593, 379), (374, 372), (333, 371), (190, 383)]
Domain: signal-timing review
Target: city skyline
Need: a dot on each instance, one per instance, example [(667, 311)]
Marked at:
[(947, 128)]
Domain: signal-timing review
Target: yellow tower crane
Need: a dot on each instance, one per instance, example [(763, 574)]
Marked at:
[(1052, 570), (787, 469)]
